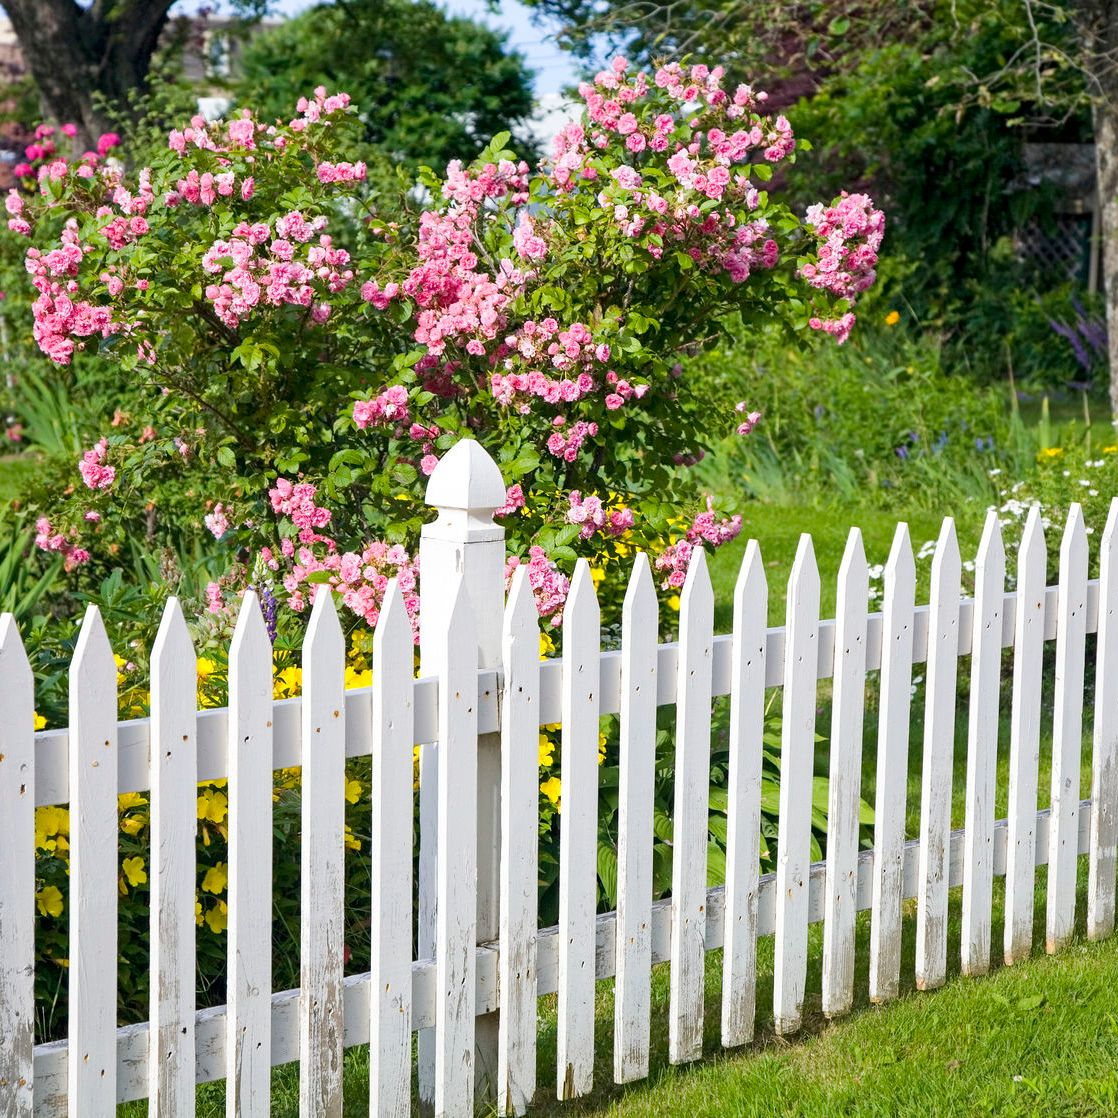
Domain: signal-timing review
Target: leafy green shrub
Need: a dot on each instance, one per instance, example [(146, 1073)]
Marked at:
[(880, 421)]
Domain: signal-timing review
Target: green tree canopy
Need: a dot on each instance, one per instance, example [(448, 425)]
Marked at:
[(430, 87)]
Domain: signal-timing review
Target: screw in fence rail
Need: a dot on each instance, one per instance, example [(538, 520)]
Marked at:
[(462, 543)]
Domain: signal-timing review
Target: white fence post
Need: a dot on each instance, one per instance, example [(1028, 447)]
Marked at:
[(462, 544)]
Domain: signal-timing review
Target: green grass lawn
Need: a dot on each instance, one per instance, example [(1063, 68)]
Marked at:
[(1039, 1039), (777, 528)]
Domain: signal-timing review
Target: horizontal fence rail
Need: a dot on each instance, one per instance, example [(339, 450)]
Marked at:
[(134, 735)]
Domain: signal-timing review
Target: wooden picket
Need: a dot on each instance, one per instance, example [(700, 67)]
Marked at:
[(91, 1065), (17, 874), (939, 748), (1024, 740), (174, 780), (636, 786), (248, 1025), (691, 811), (743, 830), (892, 768), (390, 987), (468, 985), (844, 792), (1104, 754), (456, 911), (982, 749), (519, 910), (1067, 731), (578, 836), (797, 749), (322, 870)]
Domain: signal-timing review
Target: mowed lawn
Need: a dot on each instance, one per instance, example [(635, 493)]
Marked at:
[(1038, 1040)]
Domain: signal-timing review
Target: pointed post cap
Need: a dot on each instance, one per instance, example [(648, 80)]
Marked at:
[(466, 478)]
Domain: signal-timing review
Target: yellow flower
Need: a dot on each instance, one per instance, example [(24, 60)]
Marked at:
[(352, 791), (213, 805), (218, 917), (357, 678), (50, 822), (1109, 449), (552, 788), (40, 721), (547, 645), (130, 800), (134, 871), (673, 602), (217, 877), (121, 665), (206, 667), (49, 901), (134, 824), (351, 840), (1048, 453), (598, 575), (547, 751), (289, 682), (601, 748), (892, 318), (197, 911)]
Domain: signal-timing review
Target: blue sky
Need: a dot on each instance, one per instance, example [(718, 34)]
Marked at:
[(553, 69)]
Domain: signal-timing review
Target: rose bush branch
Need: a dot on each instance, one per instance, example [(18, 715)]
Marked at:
[(323, 345)]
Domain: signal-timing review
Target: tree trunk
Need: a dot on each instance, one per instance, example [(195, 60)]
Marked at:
[(76, 52), (1106, 162)]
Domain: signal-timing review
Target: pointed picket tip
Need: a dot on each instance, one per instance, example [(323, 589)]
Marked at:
[(641, 590), (460, 619), (805, 571), (991, 546), (581, 596), (16, 676), (948, 535), (1074, 542), (324, 630), (751, 574), (1032, 538), (1075, 521), (93, 642), (393, 629), (1111, 526), (1111, 529), (466, 478), (946, 561), (250, 622), (901, 561), (853, 566), (696, 585), (521, 615), (173, 645)]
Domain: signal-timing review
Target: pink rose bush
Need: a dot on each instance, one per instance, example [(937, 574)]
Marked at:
[(314, 346)]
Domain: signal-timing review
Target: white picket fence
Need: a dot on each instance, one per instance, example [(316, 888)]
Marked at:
[(483, 693)]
